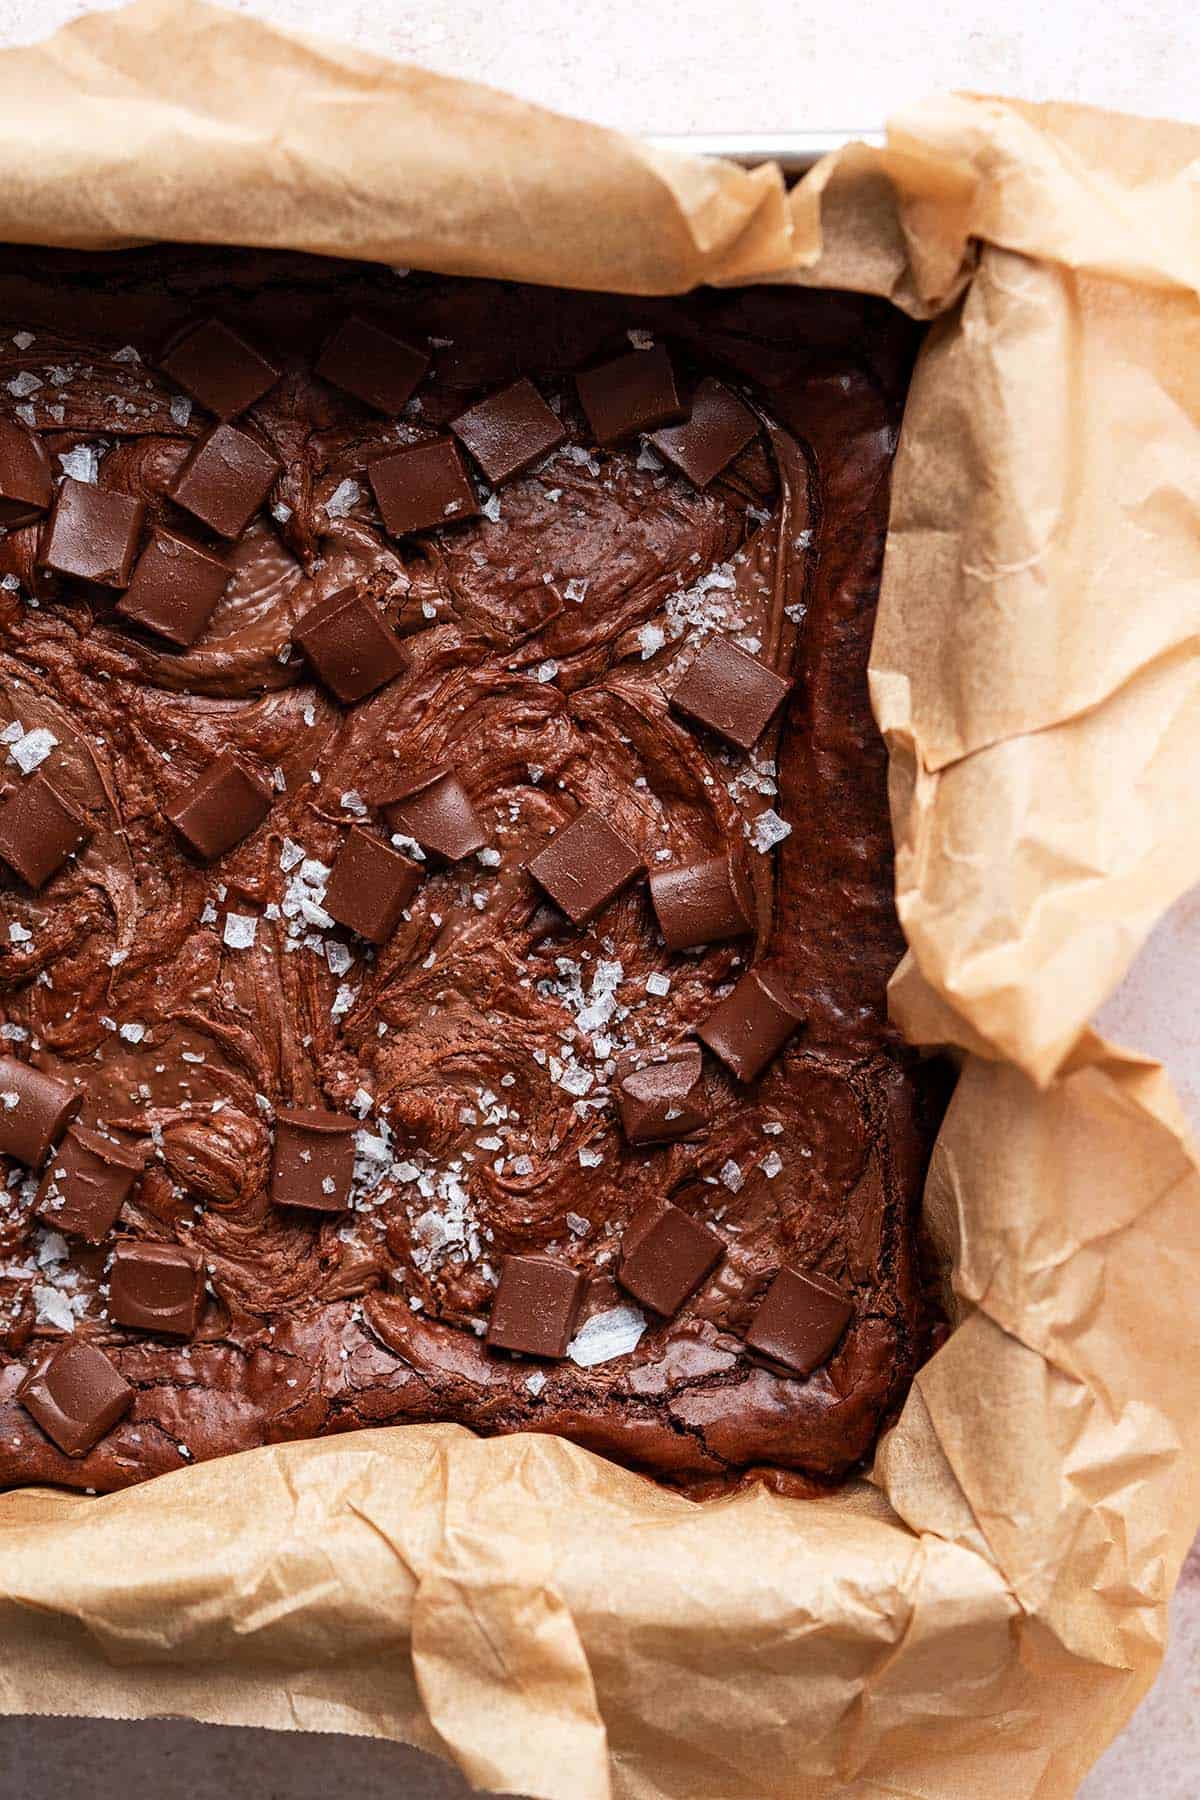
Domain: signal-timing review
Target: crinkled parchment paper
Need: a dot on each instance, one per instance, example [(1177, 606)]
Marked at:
[(980, 1616)]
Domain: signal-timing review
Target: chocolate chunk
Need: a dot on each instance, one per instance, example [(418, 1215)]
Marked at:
[(718, 426), (422, 486), (26, 484), (87, 1182), (731, 692), (313, 1160), (93, 533), (658, 1093), (751, 1025), (586, 866), (35, 1110), (702, 902), (799, 1321), (633, 393), (509, 431), (370, 886), (223, 806), (39, 830), (77, 1396), (436, 810), (218, 368), (175, 589), (371, 364), (350, 645), (225, 480), (535, 1307), (665, 1255), (157, 1287)]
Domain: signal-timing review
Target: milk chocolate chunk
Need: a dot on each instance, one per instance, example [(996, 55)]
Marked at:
[(754, 1022), (35, 1110), (369, 886), (665, 1255), (157, 1287), (175, 589), (535, 1307), (39, 830), (702, 902), (313, 1160), (86, 1183), (217, 367), (630, 394), (225, 480), (422, 486), (223, 806), (509, 431), (799, 1321), (586, 866), (77, 1396), (373, 365), (93, 533), (730, 692), (26, 483), (658, 1093), (349, 643), (436, 811), (718, 427)]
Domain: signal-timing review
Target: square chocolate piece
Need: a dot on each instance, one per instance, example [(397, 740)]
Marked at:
[(225, 480), (718, 427), (77, 1396), (535, 1307), (313, 1160), (435, 810), (217, 367), (157, 1287), (665, 1255), (633, 393), (93, 533), (175, 589), (703, 902), (509, 431), (39, 830), (350, 644), (730, 692), (376, 367), (423, 486), (751, 1025), (658, 1093), (26, 483), (86, 1183), (799, 1322), (223, 806), (586, 866), (369, 886), (35, 1110)]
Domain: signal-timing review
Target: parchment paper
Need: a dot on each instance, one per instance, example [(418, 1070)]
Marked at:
[(981, 1616)]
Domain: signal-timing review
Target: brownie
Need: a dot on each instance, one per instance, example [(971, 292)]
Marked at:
[(516, 1143)]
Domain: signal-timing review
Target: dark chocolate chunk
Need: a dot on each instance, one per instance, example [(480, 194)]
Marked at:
[(799, 1321), (754, 1022), (535, 1307), (223, 806), (77, 1396), (633, 393), (175, 589), (718, 426), (350, 645), (35, 1110), (665, 1255), (313, 1160), (586, 866), (93, 533), (423, 486), (509, 431), (369, 886), (26, 483), (436, 811), (731, 692), (658, 1093), (225, 480), (39, 830), (702, 902), (87, 1182), (377, 368), (157, 1287), (218, 368)]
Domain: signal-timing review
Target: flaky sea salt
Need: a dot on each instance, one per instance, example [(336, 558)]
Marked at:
[(651, 638), (546, 671), (82, 463), (31, 749), (658, 984), (607, 1335), (769, 829), (344, 498), (772, 1164), (240, 931), (731, 1176)]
